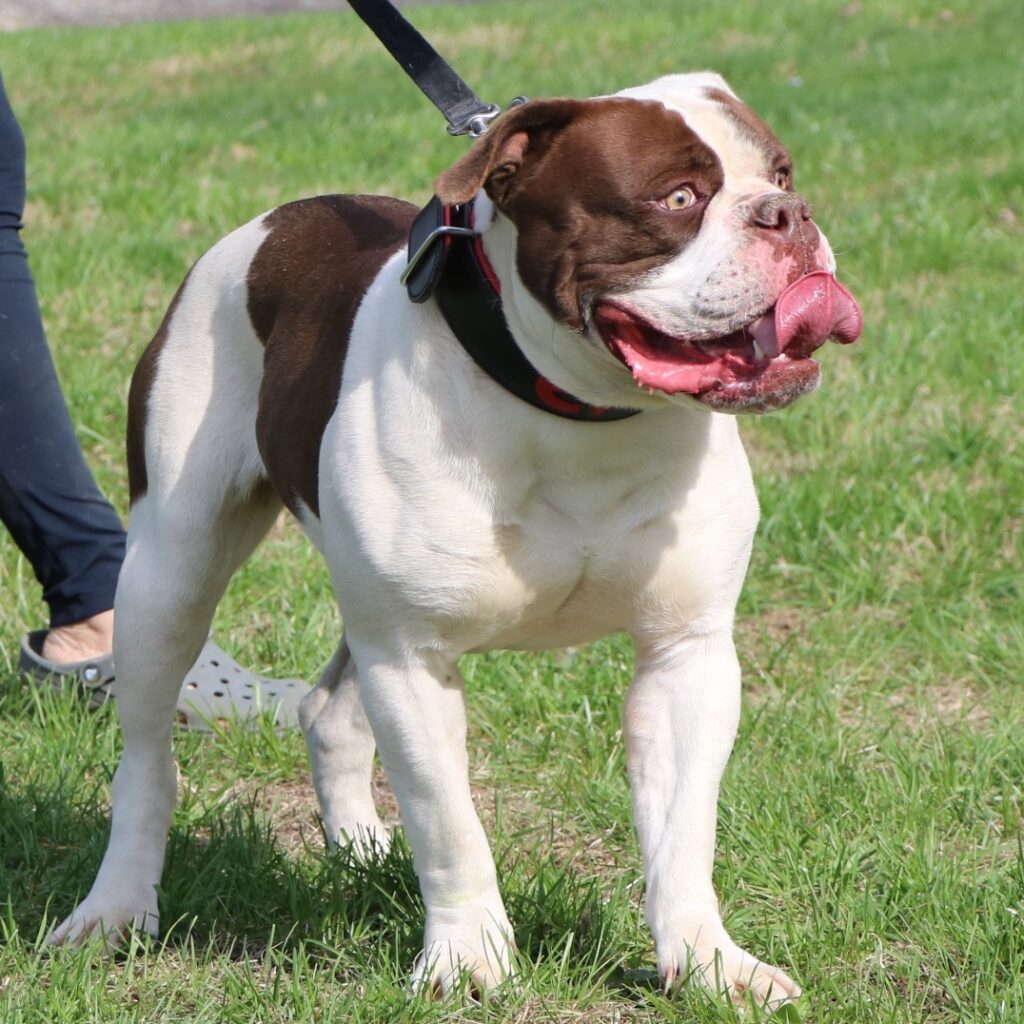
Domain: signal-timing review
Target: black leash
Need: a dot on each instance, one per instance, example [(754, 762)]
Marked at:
[(464, 111)]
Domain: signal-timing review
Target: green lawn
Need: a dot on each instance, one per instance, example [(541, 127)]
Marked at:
[(871, 818)]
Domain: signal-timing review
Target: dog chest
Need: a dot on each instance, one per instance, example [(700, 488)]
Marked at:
[(526, 541), (656, 558)]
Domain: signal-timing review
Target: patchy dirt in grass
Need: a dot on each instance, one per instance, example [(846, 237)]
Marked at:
[(942, 704), (762, 638), (179, 69), (947, 704), (525, 819), (775, 624), (291, 807), (499, 38)]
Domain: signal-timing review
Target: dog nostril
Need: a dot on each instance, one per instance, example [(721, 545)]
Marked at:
[(780, 212), (767, 213)]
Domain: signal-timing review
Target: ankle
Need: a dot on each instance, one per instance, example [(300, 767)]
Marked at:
[(78, 641)]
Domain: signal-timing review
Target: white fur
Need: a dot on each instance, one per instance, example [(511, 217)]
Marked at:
[(453, 518)]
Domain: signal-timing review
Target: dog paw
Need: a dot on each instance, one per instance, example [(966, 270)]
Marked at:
[(109, 921), (713, 960), (366, 841), (468, 951)]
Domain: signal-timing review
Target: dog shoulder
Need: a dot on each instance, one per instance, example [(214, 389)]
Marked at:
[(322, 252)]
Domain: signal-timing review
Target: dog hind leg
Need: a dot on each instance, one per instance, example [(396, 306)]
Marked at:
[(341, 748), (204, 507)]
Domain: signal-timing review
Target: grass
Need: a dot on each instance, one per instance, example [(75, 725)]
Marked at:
[(870, 834)]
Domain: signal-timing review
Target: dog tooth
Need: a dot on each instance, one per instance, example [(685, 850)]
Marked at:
[(758, 351)]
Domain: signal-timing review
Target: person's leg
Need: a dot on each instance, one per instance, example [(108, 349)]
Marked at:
[(48, 499)]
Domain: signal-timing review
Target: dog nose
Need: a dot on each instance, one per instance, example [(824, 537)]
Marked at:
[(780, 211)]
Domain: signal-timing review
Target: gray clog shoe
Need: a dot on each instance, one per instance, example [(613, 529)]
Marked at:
[(217, 690)]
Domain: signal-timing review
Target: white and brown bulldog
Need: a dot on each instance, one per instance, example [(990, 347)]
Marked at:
[(656, 270)]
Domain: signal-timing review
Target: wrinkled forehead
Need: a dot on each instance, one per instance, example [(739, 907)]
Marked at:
[(745, 145)]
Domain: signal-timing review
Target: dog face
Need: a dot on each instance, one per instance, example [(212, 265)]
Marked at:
[(660, 226)]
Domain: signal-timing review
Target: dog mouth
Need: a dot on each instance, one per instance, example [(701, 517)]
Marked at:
[(762, 366)]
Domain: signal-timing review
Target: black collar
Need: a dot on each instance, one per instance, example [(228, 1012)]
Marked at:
[(447, 260)]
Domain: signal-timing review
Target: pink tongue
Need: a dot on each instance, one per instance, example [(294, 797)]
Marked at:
[(814, 308)]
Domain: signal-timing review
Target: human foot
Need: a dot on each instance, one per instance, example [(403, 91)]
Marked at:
[(78, 641)]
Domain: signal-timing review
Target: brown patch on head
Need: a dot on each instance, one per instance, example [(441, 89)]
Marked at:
[(581, 181), (305, 285), (138, 397), (756, 132)]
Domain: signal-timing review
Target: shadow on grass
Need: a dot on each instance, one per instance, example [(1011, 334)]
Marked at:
[(227, 885), (230, 889)]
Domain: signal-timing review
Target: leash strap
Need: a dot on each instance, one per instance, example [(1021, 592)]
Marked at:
[(464, 111)]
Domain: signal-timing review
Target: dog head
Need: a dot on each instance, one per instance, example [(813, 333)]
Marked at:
[(654, 239)]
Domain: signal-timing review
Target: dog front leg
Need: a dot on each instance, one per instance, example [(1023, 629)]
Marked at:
[(417, 709), (680, 720)]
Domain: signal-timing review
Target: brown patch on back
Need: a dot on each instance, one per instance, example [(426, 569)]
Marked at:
[(305, 285), (138, 397)]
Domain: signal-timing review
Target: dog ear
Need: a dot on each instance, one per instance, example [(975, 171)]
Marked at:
[(516, 140)]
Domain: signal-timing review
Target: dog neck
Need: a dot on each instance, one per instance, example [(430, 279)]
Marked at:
[(468, 293)]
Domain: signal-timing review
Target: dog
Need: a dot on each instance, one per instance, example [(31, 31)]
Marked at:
[(647, 270)]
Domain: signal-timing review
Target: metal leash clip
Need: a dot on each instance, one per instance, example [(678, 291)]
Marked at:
[(477, 123), (464, 111)]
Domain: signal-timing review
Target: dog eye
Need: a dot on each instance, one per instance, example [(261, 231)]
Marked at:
[(784, 179), (679, 199)]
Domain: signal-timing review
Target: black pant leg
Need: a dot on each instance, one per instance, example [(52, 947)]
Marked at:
[(48, 498)]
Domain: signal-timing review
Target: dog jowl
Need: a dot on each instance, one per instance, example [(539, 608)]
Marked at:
[(646, 253)]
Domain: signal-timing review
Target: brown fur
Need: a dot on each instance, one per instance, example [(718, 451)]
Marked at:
[(305, 286), (581, 180)]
